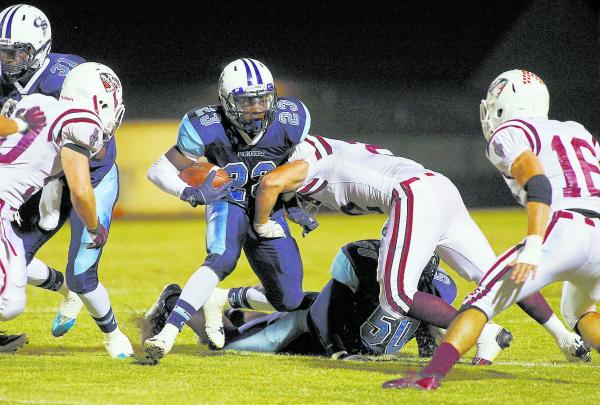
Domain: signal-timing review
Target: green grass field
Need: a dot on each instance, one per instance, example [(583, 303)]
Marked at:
[(142, 256)]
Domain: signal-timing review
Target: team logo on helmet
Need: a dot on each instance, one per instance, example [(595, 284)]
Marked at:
[(497, 87), (111, 83), (39, 22)]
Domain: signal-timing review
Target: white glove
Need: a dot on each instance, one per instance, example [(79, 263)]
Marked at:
[(531, 253), (270, 230), (8, 107), (50, 205)]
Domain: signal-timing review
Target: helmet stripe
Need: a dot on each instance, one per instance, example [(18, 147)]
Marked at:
[(258, 77), (9, 23), (7, 12), (248, 72)]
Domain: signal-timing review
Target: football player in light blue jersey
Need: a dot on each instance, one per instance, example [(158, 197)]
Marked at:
[(28, 67), (249, 134)]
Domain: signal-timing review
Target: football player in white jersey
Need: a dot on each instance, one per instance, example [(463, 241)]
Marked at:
[(552, 168), (426, 213), (78, 125), (33, 119)]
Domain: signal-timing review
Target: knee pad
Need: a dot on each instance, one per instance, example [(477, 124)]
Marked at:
[(222, 265), (285, 301)]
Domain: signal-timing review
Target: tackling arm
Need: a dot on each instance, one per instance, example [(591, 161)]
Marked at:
[(529, 173), (76, 167), (282, 179)]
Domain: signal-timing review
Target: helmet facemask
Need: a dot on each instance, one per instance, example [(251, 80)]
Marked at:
[(19, 60), (250, 111)]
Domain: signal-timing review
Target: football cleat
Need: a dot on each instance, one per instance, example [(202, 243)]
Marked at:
[(213, 310), (425, 341), (415, 380), (156, 317), (492, 340), (67, 314), (118, 345), (11, 343), (156, 347), (575, 349)]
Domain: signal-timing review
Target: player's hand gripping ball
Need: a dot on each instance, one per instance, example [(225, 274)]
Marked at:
[(196, 174)]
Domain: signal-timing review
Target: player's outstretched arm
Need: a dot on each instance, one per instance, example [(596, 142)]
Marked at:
[(76, 166), (282, 179), (164, 173), (529, 172)]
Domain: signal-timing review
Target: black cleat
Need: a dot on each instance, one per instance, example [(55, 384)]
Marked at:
[(11, 343), (156, 317), (425, 341)]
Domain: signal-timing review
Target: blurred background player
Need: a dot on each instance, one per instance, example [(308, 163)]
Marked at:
[(344, 320), (356, 179), (248, 135), (552, 169), (29, 67), (33, 119), (25, 42), (79, 125)]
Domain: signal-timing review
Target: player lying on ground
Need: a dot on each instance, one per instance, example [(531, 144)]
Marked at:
[(74, 134), (426, 213), (343, 321), (552, 168), (248, 134)]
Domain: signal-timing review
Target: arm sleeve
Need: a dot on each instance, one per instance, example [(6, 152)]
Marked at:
[(505, 146), (166, 176)]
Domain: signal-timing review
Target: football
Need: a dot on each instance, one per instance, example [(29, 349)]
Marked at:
[(196, 174)]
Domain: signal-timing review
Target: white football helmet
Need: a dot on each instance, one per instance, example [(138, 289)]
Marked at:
[(25, 40), (516, 93), (97, 88), (248, 95)]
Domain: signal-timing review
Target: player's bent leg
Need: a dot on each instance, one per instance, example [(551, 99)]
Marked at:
[(271, 333), (13, 279), (278, 265), (82, 268), (43, 276)]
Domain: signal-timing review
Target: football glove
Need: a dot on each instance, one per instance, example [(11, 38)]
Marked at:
[(99, 236), (270, 230), (34, 118), (206, 193), (299, 216)]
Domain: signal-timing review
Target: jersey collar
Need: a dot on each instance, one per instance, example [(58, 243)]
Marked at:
[(34, 78)]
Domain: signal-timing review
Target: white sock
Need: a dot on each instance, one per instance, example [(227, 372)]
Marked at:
[(37, 272), (257, 300), (556, 328), (199, 287), (97, 302)]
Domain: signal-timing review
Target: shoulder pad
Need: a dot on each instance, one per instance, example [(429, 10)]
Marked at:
[(293, 116)]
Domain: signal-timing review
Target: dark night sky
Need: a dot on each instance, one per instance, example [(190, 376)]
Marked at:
[(158, 47), (173, 41)]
